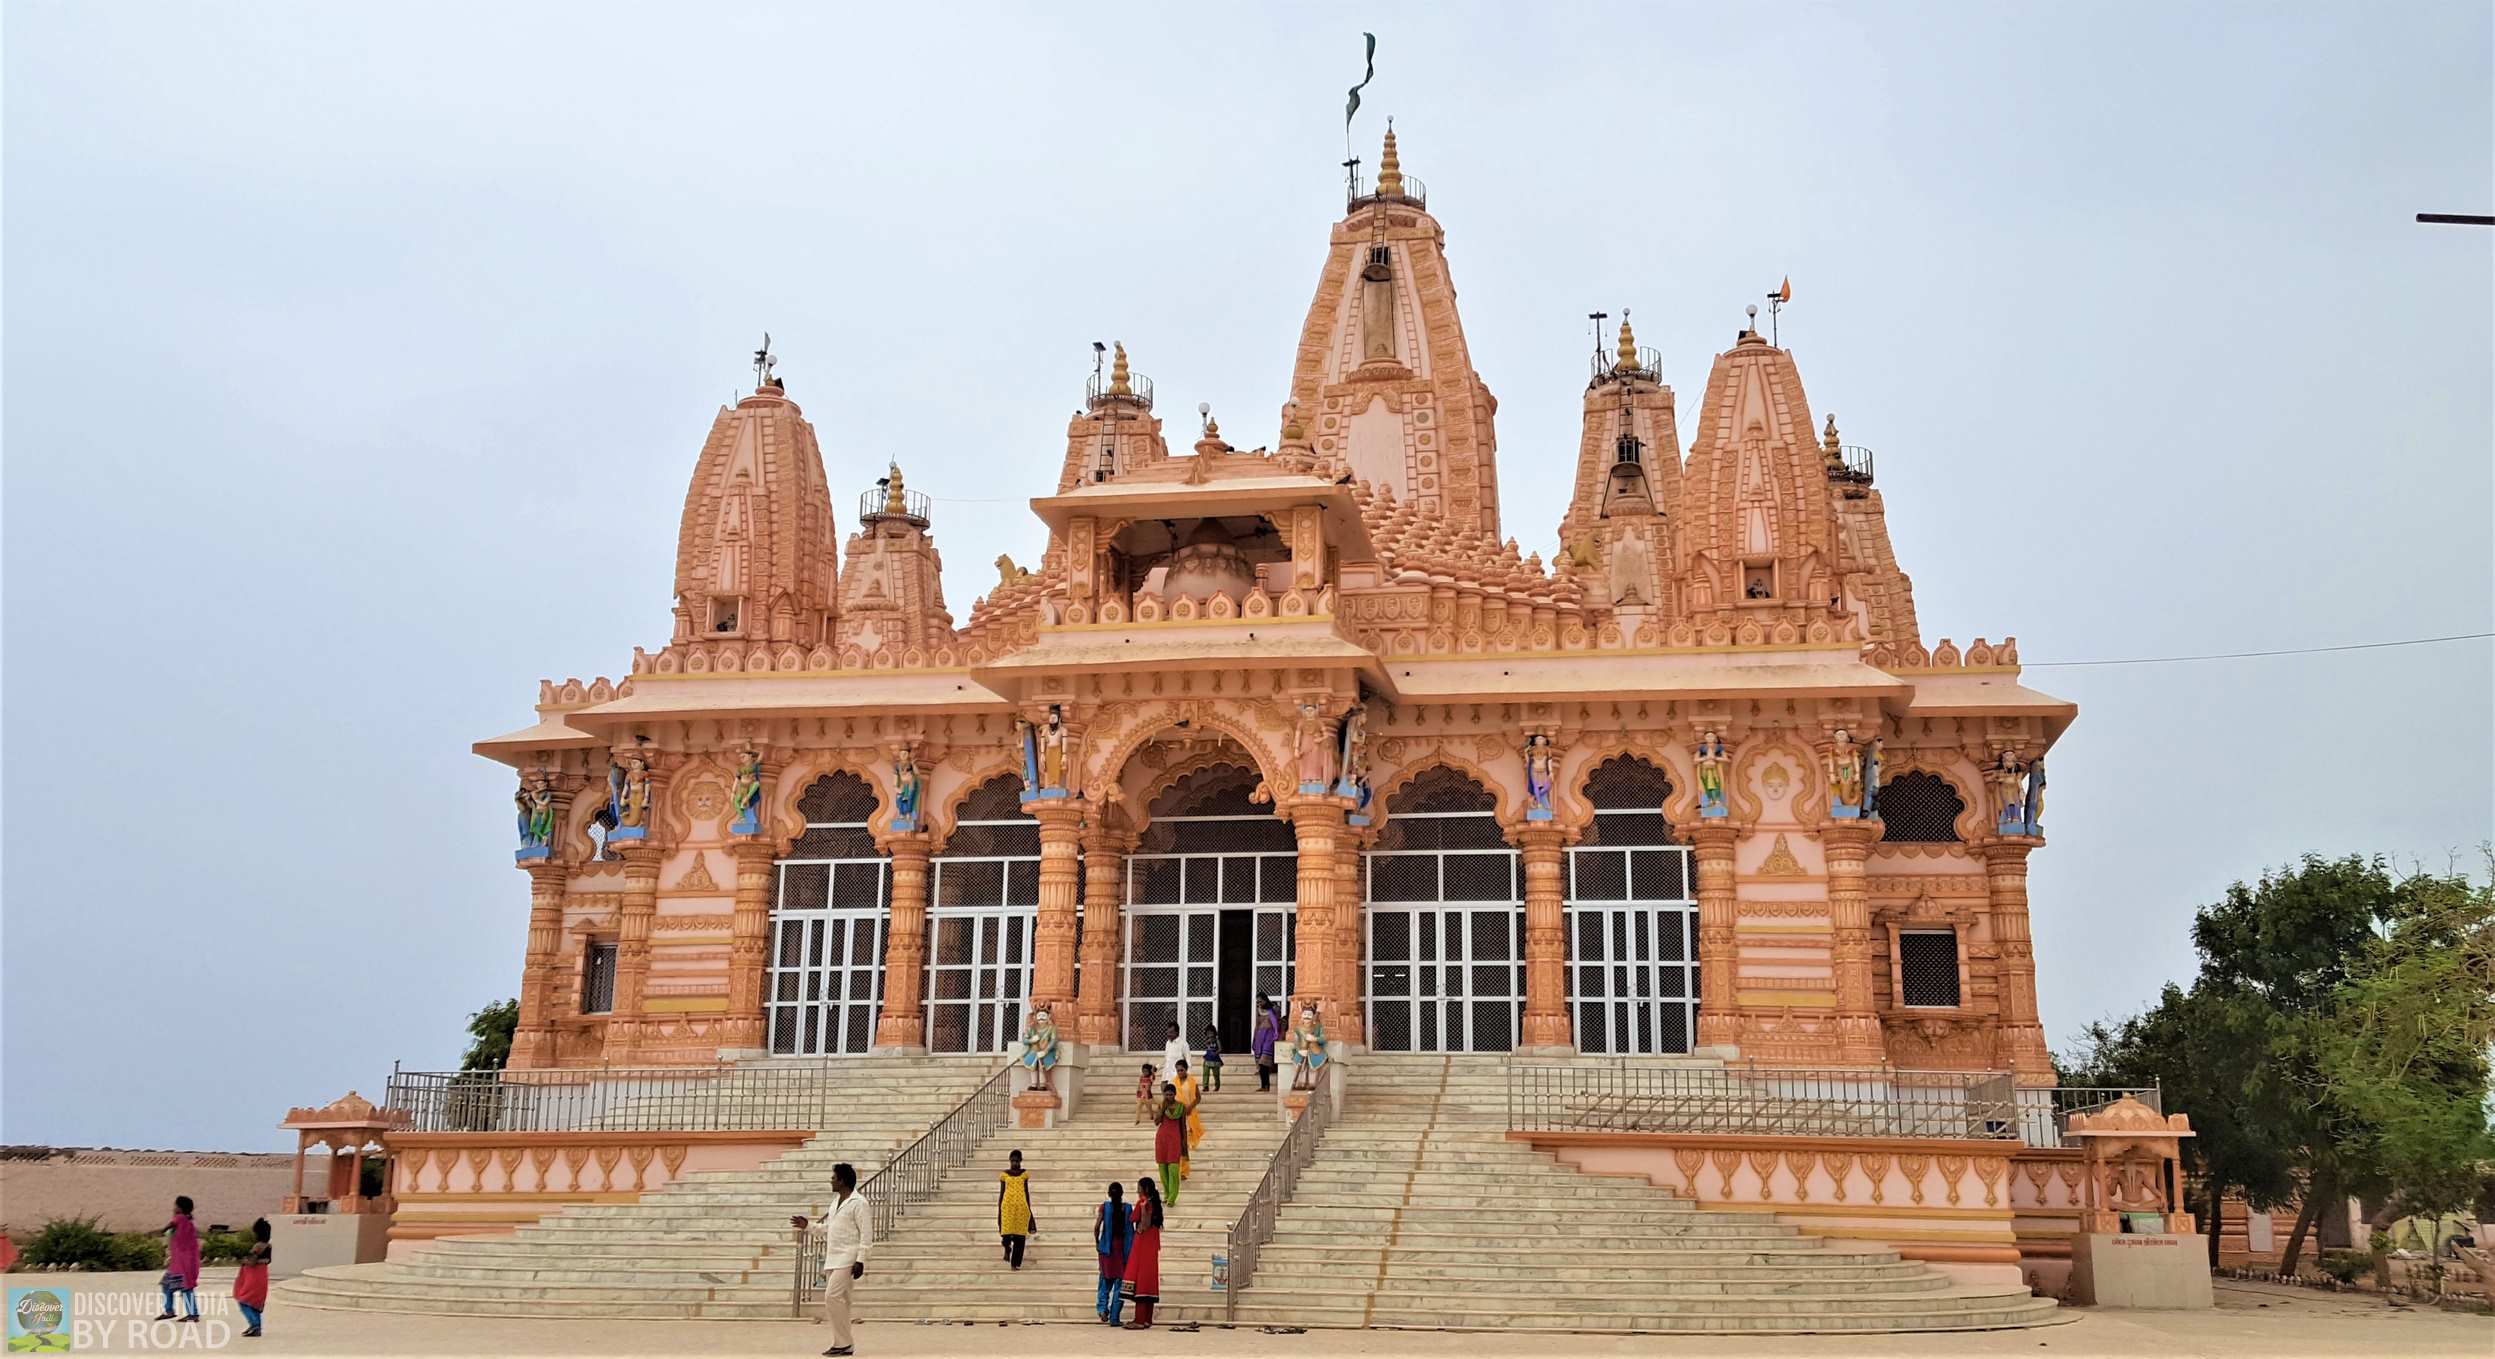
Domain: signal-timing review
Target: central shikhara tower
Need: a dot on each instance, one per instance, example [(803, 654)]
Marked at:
[(1300, 720)]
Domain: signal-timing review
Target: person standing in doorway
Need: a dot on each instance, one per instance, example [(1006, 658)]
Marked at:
[(1113, 1236), (1261, 1043), (1212, 1058), (1014, 1222), (181, 1261), (847, 1232), (251, 1281), (1143, 1260), (1169, 1144)]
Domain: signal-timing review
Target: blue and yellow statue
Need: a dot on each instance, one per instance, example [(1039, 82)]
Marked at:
[(536, 803), (1307, 1048), (1039, 1048), (745, 796)]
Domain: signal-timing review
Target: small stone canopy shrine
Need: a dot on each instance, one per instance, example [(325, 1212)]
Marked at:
[(347, 1127)]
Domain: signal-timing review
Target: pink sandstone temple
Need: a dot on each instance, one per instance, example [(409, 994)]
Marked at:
[(1302, 721)]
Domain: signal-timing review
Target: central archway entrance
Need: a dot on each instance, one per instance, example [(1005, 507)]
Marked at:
[(1446, 922), (1211, 892)]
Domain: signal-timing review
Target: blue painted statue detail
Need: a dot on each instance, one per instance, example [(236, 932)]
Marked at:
[(536, 803), (1712, 767), (745, 796)]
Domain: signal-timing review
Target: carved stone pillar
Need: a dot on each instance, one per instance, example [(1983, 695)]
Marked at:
[(903, 1025), (533, 1045), (2005, 881), (1052, 951), (1104, 934), (749, 938), (1318, 822), (1847, 845), (1349, 1022), (632, 947), (1719, 959), (1539, 846)]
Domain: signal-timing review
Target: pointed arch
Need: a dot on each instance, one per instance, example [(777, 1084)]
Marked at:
[(1123, 729)]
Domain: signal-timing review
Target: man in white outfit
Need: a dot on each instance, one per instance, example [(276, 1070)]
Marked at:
[(1173, 1052), (848, 1229)]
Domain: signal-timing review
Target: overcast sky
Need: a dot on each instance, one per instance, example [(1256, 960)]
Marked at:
[(357, 358)]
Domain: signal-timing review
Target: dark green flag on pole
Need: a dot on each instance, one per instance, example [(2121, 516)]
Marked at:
[(1353, 106)]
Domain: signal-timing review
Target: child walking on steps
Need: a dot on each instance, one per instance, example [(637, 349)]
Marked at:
[(1212, 1058), (1147, 1096)]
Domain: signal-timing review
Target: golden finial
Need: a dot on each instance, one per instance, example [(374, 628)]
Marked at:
[(894, 502), (1828, 438), (1119, 384), (1628, 345), (1389, 169), (1212, 428)]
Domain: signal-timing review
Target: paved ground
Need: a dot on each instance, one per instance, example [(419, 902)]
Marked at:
[(2252, 1321)]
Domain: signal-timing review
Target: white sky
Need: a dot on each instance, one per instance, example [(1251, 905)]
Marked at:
[(356, 360)]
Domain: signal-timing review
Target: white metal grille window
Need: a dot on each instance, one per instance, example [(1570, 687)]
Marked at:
[(1919, 809), (597, 978), (1211, 894), (1927, 968), (1632, 918), (832, 894), (983, 903), (1445, 922)]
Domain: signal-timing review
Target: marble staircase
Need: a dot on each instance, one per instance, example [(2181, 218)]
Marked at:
[(1418, 1212), (943, 1261), (713, 1244)]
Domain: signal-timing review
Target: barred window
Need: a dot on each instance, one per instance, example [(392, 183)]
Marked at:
[(992, 822), (1185, 817), (836, 808), (1919, 809), (597, 979), (1627, 795), (1455, 812), (1927, 964)]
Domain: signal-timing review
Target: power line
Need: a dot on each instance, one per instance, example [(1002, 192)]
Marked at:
[(2247, 655)]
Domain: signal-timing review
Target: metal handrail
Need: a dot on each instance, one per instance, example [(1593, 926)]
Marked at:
[(2045, 1110), (1096, 391), (914, 1173), (1606, 363), (876, 503), (1414, 192), (1853, 463), (617, 1099), (1257, 1217), (1763, 1101)]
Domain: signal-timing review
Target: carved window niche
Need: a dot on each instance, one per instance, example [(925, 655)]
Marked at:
[(1919, 808), (1758, 581), (1930, 974), (597, 977), (727, 614)]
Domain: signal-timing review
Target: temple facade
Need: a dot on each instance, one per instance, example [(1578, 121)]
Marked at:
[(1301, 720)]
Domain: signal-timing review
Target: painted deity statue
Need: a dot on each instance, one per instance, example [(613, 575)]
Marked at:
[(1712, 766), (1307, 1049), (905, 787), (1845, 773), (1316, 771), (1039, 1047), (628, 796), (2008, 777), (2036, 797), (1355, 760), (745, 796), (1028, 737), (536, 803), (1053, 750), (1541, 775)]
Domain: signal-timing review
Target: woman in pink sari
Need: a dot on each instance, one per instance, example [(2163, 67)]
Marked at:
[(181, 1261)]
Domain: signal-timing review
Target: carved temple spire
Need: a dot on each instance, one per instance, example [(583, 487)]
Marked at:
[(1121, 380), (1627, 359), (1389, 168)]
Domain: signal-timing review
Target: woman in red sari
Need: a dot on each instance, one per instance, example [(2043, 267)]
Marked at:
[(1143, 1259)]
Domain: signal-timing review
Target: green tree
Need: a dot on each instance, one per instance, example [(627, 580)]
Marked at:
[(489, 1036)]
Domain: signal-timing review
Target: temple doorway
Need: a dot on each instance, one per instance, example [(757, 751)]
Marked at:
[(1632, 918), (1211, 891), (1445, 922), (982, 910), (832, 894)]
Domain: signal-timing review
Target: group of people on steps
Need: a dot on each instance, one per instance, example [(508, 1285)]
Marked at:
[(1126, 1236)]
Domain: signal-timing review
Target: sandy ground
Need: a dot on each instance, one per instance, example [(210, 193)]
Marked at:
[(2252, 1321)]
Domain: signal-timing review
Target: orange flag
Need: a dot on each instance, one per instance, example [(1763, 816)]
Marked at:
[(1785, 293)]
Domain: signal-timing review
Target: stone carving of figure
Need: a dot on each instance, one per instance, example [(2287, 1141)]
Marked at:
[(628, 796), (1632, 570), (1039, 1047), (1307, 1049), (1316, 767), (1541, 774), (745, 796), (1711, 769), (1845, 774), (536, 803), (1355, 759), (1053, 750), (905, 791), (2008, 777), (2036, 797)]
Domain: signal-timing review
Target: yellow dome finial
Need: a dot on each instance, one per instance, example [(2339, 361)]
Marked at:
[(1389, 167), (1628, 345), (1120, 383), (894, 501), (1828, 445)]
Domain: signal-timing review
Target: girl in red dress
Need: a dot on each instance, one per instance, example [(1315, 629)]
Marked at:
[(1169, 1142), (1143, 1259), (251, 1282)]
